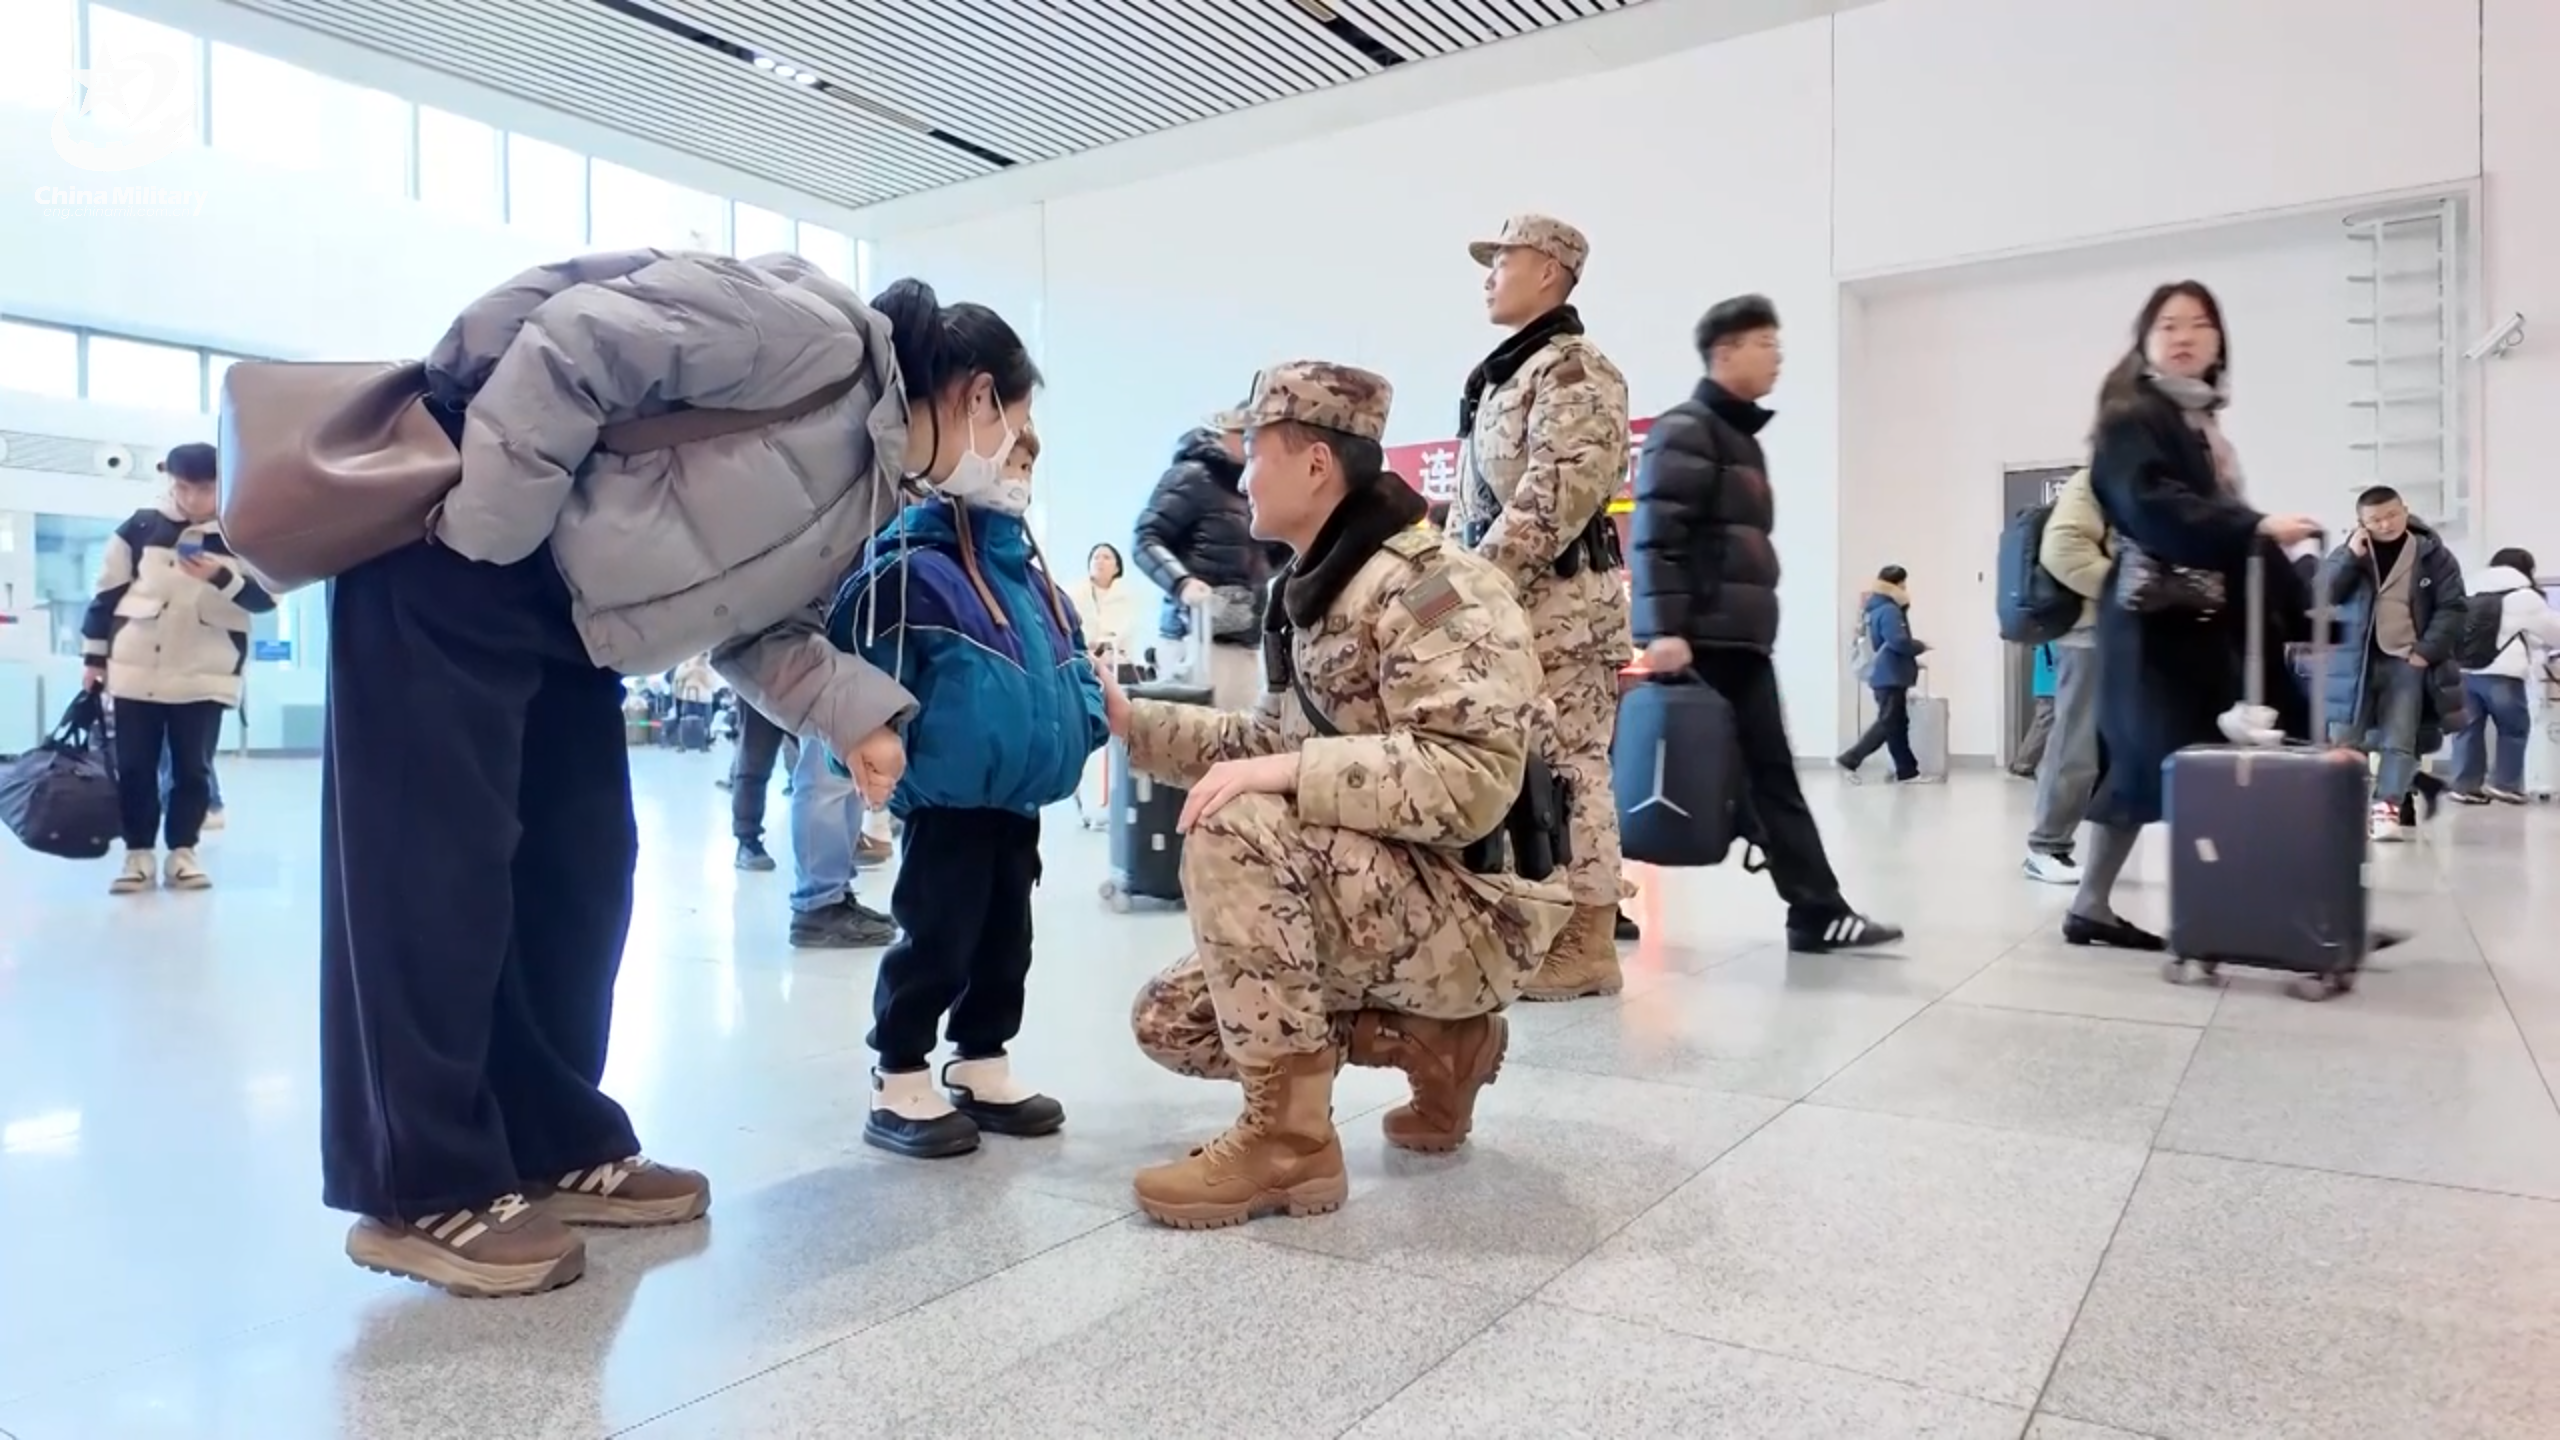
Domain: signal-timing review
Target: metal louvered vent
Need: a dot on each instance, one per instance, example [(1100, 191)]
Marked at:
[(72, 455), (861, 101)]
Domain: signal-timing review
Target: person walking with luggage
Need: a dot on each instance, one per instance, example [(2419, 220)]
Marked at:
[(2078, 551), (2172, 630), (1891, 672), (954, 600), (1706, 599), (478, 843), (1543, 420), (1195, 541), (164, 638), (1336, 914), (2510, 631), (2397, 592)]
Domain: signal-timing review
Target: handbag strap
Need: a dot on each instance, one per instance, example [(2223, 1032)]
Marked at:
[(687, 426)]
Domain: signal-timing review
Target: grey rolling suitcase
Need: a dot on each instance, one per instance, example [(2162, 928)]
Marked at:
[(2267, 849), (1146, 848), (1928, 731)]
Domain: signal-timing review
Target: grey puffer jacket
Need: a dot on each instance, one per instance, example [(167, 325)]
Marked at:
[(727, 545)]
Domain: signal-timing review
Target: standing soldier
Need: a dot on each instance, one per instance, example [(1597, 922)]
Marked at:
[(1544, 423), (1363, 884)]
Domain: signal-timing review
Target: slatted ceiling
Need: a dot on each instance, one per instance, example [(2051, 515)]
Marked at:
[(586, 61), (916, 94)]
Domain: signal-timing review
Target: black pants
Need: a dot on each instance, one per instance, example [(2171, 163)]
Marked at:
[(476, 850), (186, 734), (1774, 798), (751, 773), (1891, 732), (963, 907)]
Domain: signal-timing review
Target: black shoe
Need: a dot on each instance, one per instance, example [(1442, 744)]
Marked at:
[(752, 856), (1847, 930), (939, 1138), (2111, 934), (2466, 797), (724, 783), (1628, 934), (1032, 1115), (846, 925), (1848, 767)]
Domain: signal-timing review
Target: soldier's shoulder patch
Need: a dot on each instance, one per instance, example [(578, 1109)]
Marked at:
[(1414, 544), (1433, 600), (1570, 372)]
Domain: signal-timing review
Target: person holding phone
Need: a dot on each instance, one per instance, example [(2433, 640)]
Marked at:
[(164, 638)]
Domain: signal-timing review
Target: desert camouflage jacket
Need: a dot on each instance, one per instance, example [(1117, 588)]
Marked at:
[(1424, 665), (1551, 446)]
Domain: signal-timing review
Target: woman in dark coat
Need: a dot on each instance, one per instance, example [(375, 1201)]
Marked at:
[(2168, 673)]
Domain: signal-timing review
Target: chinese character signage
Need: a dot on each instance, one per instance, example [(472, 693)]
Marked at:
[(1433, 467)]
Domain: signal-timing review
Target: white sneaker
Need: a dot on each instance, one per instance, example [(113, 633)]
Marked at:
[(2052, 869), (2386, 829), (184, 873), (140, 873)]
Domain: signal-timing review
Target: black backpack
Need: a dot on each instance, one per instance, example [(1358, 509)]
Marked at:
[(2033, 606), (2483, 616)]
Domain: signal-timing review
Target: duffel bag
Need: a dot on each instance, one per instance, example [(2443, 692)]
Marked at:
[(60, 797)]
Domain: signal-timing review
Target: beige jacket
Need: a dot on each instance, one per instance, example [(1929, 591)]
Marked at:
[(2079, 549)]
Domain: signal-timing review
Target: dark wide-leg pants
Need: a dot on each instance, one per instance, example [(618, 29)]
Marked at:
[(477, 848)]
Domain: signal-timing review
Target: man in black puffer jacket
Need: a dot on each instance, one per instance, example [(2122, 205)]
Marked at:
[(1195, 540), (1706, 599)]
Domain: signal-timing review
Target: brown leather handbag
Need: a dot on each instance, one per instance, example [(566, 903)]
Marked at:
[(326, 466)]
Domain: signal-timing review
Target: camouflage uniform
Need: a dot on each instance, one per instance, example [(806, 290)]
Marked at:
[(1547, 452), (1341, 922)]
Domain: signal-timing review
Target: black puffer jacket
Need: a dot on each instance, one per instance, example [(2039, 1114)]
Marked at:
[(1705, 569), (1198, 527)]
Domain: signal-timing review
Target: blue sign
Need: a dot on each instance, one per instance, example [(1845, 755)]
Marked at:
[(270, 649)]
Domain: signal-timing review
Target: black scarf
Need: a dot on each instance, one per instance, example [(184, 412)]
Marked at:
[(1508, 357), (1368, 517)]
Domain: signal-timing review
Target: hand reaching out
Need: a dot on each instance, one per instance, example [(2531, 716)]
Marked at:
[(877, 764)]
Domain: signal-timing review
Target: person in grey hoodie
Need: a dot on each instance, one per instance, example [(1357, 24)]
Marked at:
[(478, 844)]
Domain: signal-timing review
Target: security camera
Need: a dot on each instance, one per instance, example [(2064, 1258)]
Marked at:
[(2504, 336)]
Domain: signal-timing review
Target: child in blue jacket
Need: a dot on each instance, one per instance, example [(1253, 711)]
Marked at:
[(953, 599)]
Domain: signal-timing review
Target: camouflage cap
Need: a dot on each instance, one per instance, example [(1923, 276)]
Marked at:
[(1315, 392), (1543, 233)]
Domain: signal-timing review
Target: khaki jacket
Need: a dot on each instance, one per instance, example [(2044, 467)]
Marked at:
[(2079, 548), (1551, 444)]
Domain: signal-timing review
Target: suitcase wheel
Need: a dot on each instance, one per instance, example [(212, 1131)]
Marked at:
[(2181, 971), (2316, 988), (1115, 897)]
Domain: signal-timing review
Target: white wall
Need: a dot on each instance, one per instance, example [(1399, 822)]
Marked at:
[(1894, 139), (1951, 381)]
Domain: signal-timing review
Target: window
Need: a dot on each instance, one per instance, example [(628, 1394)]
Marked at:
[(70, 550), (40, 360), (635, 211), (163, 65), (215, 367), (760, 232), (144, 375), (282, 114), (36, 66), (830, 252), (458, 166), (547, 189)]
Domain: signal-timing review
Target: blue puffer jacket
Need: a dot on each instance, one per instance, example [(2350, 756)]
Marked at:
[(1896, 665), (1007, 703)]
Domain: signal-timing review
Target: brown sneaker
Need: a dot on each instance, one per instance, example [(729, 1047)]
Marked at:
[(1447, 1061), (1584, 960), (1281, 1155), (625, 1193), (868, 852), (505, 1248)]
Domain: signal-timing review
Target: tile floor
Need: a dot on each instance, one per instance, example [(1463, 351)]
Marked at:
[(1990, 1187)]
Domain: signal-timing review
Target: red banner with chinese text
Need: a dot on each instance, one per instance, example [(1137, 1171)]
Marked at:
[(1432, 467)]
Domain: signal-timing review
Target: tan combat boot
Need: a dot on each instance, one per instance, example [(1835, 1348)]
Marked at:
[(1584, 960), (1447, 1061), (1281, 1155)]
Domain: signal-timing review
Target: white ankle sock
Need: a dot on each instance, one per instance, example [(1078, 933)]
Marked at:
[(909, 1094), (989, 1081)]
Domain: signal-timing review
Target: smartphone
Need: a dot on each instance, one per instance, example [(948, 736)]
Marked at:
[(190, 549)]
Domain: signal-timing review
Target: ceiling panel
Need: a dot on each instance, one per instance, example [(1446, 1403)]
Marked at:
[(911, 95)]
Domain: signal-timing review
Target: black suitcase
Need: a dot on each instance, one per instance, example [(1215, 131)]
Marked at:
[(1675, 766), (2267, 849), (1146, 849)]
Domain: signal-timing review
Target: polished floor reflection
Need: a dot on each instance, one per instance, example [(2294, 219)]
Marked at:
[(1991, 1187)]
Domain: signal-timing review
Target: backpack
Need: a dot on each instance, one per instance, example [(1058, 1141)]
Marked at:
[(2033, 606), (2483, 616)]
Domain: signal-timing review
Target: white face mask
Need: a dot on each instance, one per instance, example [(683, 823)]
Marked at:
[(976, 477)]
